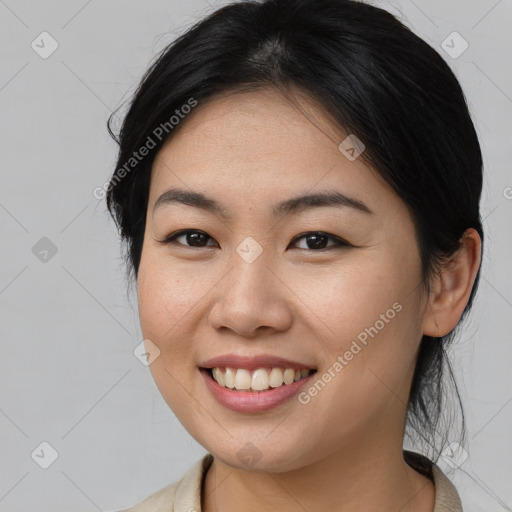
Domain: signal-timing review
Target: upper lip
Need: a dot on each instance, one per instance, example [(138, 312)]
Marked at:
[(253, 362)]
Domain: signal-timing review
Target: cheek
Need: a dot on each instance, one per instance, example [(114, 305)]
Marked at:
[(342, 302), (367, 314), (166, 301)]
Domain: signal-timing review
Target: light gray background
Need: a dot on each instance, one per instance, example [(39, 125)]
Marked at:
[(68, 374)]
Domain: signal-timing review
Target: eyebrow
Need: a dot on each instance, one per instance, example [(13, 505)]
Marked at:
[(287, 207)]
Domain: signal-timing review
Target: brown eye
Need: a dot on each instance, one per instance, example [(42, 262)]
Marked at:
[(315, 240), (192, 238), (318, 239)]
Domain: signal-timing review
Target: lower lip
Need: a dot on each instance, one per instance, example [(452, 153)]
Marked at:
[(252, 401)]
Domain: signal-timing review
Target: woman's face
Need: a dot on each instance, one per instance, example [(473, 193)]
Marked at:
[(258, 283)]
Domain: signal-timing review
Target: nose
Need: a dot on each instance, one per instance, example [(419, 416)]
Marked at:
[(251, 299)]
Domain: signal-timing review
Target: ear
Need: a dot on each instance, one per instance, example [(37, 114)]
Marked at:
[(452, 286)]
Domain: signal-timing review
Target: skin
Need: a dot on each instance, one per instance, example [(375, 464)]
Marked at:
[(343, 450)]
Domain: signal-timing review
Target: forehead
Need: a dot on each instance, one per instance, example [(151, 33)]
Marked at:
[(261, 143), (254, 122)]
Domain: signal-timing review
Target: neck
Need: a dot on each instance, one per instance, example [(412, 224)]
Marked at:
[(367, 476)]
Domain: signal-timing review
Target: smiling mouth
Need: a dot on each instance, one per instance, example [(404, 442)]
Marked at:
[(259, 380)]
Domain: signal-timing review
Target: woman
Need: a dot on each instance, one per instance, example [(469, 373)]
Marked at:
[(298, 187)]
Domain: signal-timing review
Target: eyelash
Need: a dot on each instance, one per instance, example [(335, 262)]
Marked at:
[(340, 243)]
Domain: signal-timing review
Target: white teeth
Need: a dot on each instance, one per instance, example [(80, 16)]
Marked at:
[(258, 380), (288, 375), (229, 378), (275, 378), (217, 375), (242, 379)]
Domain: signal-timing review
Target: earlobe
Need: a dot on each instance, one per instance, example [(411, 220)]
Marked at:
[(452, 288)]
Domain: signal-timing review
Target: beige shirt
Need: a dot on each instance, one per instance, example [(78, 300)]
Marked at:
[(185, 494)]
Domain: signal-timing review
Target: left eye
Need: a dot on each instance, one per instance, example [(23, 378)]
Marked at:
[(317, 239), (314, 239)]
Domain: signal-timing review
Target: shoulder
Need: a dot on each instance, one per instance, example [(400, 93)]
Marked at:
[(447, 498), (184, 494), (161, 500)]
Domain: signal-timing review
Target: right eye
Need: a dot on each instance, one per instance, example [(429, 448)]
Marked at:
[(194, 237)]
